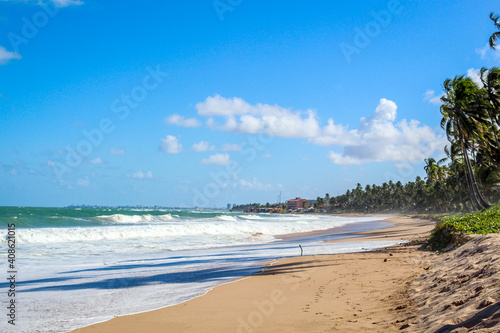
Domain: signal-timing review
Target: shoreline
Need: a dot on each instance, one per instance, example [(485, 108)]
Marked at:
[(339, 231), (223, 308)]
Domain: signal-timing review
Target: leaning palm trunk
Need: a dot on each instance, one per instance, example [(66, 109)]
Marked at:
[(473, 198), (490, 81), (476, 195)]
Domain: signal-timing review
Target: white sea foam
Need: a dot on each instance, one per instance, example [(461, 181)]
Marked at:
[(120, 218), (225, 218), (204, 231), (72, 277), (250, 217)]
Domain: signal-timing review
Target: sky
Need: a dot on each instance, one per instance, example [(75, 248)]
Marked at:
[(204, 103)]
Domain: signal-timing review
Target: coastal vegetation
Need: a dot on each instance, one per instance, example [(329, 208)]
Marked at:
[(454, 230)]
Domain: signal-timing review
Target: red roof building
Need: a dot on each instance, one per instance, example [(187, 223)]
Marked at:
[(296, 203)]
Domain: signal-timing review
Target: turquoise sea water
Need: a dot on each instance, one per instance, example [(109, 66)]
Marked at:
[(75, 267), (46, 217)]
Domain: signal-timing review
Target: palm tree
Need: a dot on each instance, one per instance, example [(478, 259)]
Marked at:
[(490, 79), (495, 35), (434, 170), (464, 122), (457, 175), (490, 178), (320, 202), (431, 169)]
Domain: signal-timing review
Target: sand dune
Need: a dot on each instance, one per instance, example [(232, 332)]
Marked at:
[(461, 290)]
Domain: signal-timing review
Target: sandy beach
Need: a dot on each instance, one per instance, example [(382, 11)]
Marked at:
[(400, 288)]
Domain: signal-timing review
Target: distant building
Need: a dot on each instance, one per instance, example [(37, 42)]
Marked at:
[(296, 203), (228, 206)]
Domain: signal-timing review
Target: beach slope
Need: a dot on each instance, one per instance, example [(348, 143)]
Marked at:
[(302, 294), (400, 288)]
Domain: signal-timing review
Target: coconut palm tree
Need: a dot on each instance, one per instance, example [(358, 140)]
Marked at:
[(490, 79), (431, 169), (434, 170), (465, 120), (495, 35), (457, 180), (489, 176)]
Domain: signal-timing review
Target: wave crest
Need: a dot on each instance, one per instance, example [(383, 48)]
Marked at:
[(121, 218)]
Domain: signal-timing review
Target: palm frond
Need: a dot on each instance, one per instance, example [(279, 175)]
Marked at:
[(493, 39), (495, 36), (495, 19)]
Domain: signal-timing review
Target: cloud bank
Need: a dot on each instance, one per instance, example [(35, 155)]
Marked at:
[(378, 138)]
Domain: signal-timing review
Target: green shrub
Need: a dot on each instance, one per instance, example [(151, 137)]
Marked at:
[(454, 229)]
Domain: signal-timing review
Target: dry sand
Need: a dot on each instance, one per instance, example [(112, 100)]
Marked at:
[(400, 288), (461, 290)]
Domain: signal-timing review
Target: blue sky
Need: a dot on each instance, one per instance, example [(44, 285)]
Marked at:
[(205, 103)]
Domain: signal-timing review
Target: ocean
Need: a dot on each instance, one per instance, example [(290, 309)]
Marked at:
[(72, 267)]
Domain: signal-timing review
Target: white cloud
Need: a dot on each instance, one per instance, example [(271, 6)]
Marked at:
[(430, 96), (141, 175), (436, 100), (231, 147), (202, 146), (96, 161), (171, 145), (379, 138), (220, 106), (487, 52), (5, 55), (473, 74), (117, 151), (177, 120), (385, 111), (242, 117), (217, 159), (334, 134)]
